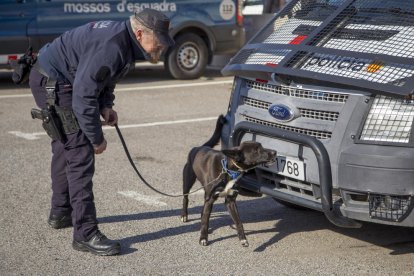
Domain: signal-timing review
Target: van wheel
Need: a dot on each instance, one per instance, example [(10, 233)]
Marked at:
[(188, 58)]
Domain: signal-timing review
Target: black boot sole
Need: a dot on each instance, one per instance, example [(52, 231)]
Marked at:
[(109, 252)]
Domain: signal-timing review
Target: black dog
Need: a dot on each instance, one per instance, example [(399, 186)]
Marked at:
[(218, 171)]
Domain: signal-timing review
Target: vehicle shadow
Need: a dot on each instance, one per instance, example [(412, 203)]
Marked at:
[(400, 240), (144, 73)]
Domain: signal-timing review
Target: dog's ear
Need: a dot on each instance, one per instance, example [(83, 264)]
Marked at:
[(234, 154)]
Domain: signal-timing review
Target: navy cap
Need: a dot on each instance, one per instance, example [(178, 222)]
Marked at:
[(158, 22)]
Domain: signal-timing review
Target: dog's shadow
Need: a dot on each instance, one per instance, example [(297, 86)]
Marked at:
[(400, 240), (217, 220)]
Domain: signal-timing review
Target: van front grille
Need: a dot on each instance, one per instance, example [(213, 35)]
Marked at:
[(291, 186), (304, 112), (314, 133), (297, 92)]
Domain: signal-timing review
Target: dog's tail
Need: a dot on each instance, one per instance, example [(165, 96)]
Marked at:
[(215, 139)]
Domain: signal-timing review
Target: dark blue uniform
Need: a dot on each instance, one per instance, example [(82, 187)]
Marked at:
[(87, 62)]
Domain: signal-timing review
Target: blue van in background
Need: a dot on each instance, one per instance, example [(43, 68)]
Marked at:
[(200, 29)]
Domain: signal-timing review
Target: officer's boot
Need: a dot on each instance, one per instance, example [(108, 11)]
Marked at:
[(59, 221), (99, 244)]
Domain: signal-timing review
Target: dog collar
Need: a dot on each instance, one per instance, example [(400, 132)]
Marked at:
[(231, 173)]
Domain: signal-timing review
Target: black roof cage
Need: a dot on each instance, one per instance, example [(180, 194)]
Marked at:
[(360, 44)]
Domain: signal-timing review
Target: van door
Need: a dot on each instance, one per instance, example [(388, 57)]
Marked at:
[(54, 17), (15, 17)]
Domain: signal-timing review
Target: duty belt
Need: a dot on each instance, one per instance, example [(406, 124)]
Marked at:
[(58, 121)]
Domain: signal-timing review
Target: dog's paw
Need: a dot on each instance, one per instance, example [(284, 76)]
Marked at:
[(184, 218), (204, 242), (244, 243)]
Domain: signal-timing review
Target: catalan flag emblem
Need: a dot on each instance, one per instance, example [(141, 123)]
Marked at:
[(375, 66)]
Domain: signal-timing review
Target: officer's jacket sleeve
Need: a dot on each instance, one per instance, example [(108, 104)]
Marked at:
[(107, 97), (92, 76)]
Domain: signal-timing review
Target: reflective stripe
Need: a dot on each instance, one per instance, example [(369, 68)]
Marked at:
[(4, 59)]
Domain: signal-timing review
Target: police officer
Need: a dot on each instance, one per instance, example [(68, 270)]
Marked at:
[(86, 64)]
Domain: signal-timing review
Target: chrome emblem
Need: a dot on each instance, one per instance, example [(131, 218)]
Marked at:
[(281, 112)]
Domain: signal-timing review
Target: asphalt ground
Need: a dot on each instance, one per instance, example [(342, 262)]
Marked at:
[(161, 120)]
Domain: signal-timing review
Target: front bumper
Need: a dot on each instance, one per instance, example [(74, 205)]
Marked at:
[(324, 165), (347, 200)]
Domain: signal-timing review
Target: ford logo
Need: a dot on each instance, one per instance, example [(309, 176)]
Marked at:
[(281, 112)]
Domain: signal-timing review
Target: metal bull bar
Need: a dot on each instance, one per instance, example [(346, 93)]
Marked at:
[(325, 175)]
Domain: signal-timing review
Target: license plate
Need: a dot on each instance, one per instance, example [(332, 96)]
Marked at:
[(290, 167)]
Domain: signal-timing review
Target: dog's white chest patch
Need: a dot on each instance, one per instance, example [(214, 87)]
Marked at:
[(228, 188), (230, 185)]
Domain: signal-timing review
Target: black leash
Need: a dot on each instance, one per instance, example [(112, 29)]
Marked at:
[(136, 170)]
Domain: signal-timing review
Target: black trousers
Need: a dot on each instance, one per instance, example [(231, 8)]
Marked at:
[(72, 167)]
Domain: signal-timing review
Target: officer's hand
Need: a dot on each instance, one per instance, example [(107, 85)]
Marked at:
[(100, 148), (110, 116)]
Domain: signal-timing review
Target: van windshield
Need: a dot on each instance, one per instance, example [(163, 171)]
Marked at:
[(369, 12), (364, 43)]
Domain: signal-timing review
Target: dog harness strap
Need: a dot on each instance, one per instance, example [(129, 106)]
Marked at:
[(231, 173)]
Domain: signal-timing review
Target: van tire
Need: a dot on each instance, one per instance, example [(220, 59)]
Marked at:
[(188, 58)]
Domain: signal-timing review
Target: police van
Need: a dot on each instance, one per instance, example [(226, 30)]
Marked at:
[(200, 29), (329, 84)]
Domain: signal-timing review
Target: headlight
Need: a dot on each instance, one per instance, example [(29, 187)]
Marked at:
[(389, 120)]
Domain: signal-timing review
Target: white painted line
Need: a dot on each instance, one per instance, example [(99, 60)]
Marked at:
[(27, 136), (173, 86), (199, 192), (149, 200), (141, 88), (164, 123), (15, 96), (35, 135)]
